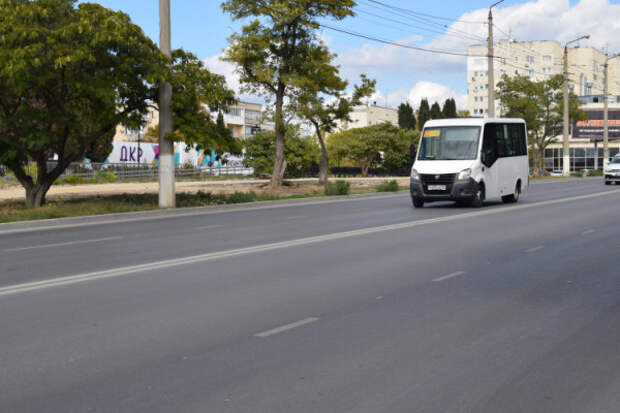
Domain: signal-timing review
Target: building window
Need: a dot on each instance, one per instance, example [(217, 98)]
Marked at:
[(529, 59), (547, 59), (475, 98), (252, 116), (530, 73), (516, 59)]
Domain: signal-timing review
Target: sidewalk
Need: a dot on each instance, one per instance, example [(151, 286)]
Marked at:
[(17, 193)]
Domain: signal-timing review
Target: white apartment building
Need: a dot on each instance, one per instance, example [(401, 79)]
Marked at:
[(538, 60), (244, 119), (367, 115)]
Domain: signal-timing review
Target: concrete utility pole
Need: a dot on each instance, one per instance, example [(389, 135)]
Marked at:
[(565, 146), (491, 68), (167, 194), (606, 112)]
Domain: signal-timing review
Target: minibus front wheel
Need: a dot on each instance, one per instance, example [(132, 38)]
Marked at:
[(417, 202), (478, 196)]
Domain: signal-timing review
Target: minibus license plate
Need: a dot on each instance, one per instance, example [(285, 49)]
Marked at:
[(436, 187)]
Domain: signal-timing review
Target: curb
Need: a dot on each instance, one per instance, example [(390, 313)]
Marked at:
[(57, 223)]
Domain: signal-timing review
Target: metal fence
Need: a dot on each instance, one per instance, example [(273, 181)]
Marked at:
[(135, 171)]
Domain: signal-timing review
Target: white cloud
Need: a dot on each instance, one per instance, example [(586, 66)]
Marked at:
[(215, 64), (435, 92)]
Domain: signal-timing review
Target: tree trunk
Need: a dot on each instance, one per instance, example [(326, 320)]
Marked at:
[(324, 162), (365, 168), (35, 194), (279, 165)]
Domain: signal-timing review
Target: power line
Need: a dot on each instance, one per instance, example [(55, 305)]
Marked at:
[(425, 20), (405, 46), (424, 14), (446, 33)]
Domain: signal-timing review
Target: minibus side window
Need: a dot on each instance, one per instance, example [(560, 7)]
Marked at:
[(489, 145)]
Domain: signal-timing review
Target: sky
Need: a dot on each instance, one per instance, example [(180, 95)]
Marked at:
[(200, 26)]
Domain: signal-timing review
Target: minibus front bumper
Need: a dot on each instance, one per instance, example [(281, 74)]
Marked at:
[(458, 190)]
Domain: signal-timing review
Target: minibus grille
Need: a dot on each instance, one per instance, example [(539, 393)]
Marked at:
[(437, 179)]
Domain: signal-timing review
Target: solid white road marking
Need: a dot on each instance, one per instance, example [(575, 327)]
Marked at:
[(62, 244), (447, 277), (538, 248), (208, 227), (158, 265), (588, 232), (296, 217), (287, 327)]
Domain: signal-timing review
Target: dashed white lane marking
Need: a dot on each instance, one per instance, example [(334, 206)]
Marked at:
[(62, 244), (287, 327), (380, 297), (208, 227), (538, 248), (588, 232), (296, 217), (447, 277)]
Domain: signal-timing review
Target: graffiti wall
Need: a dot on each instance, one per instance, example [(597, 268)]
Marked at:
[(148, 153)]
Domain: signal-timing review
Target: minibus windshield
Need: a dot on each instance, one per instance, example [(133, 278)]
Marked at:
[(450, 143)]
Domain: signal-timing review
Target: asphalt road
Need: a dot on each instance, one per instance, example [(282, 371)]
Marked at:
[(354, 305)]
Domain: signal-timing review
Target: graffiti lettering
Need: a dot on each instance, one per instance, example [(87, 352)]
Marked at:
[(132, 153), (123, 154)]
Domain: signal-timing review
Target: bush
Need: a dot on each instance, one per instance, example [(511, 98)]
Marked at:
[(596, 172), (70, 180), (391, 186), (577, 174), (337, 188)]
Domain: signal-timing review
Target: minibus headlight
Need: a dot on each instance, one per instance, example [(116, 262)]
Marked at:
[(464, 174), (414, 175)]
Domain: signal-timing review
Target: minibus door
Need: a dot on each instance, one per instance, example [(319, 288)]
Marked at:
[(488, 157)]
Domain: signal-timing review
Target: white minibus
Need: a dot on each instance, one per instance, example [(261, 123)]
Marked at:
[(468, 160)]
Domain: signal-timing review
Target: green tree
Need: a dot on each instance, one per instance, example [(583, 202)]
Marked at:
[(301, 153), (397, 157), (463, 114), (279, 51), (424, 113), (363, 146), (324, 115), (406, 117), (540, 104), (449, 108), (70, 74), (436, 111), (195, 93)]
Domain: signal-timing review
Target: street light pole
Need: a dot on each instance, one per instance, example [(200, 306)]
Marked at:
[(167, 196), (565, 146), (491, 68), (606, 113)]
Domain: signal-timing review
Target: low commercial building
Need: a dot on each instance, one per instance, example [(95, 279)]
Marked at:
[(586, 138)]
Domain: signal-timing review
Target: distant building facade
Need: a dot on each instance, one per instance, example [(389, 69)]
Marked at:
[(538, 60), (586, 139), (244, 119), (368, 115)]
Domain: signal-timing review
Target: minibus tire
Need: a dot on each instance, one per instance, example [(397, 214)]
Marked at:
[(512, 198), (417, 203), (479, 197)]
